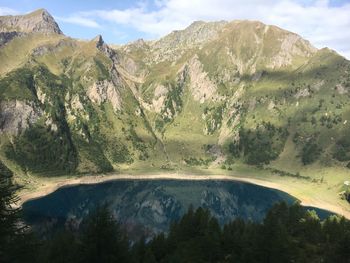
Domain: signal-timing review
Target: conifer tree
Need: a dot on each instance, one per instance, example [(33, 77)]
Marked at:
[(15, 243), (102, 239)]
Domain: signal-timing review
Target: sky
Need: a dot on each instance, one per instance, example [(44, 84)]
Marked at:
[(325, 23)]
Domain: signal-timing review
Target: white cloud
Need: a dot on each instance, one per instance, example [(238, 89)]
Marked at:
[(79, 20), (317, 21), (4, 11)]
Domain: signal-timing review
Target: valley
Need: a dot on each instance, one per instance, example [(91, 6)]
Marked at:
[(237, 99), (174, 131)]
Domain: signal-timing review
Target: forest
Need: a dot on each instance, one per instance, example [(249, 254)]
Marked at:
[(289, 233)]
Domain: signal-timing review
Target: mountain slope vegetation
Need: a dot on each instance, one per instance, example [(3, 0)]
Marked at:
[(214, 95)]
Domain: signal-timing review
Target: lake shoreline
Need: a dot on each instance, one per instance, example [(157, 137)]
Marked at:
[(50, 187)]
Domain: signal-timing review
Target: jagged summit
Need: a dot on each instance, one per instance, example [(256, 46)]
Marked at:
[(138, 43), (197, 33), (38, 12), (251, 46), (202, 23), (39, 21), (98, 40)]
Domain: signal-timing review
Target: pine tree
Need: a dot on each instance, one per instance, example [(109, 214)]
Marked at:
[(61, 248), (102, 239), (15, 243)]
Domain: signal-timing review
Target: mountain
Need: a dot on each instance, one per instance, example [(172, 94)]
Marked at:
[(39, 21), (214, 95)]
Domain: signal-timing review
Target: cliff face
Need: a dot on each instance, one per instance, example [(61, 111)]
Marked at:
[(39, 21), (16, 116)]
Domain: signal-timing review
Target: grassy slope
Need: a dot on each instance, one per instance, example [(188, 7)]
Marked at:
[(118, 138)]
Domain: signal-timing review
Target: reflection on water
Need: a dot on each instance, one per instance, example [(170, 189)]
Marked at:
[(150, 206)]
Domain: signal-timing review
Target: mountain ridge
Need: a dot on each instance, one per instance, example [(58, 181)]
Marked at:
[(247, 94), (39, 21)]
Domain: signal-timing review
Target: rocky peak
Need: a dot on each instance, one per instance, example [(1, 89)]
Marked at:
[(200, 25), (174, 45), (39, 21), (104, 48), (254, 46), (139, 43), (251, 45), (197, 33), (99, 41)]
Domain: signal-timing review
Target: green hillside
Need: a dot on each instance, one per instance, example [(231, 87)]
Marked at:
[(217, 97)]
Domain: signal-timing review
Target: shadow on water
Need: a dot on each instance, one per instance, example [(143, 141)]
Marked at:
[(147, 207)]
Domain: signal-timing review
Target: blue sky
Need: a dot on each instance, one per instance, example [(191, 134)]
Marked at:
[(323, 22)]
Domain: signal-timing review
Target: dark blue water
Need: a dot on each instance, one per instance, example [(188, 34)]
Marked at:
[(150, 206)]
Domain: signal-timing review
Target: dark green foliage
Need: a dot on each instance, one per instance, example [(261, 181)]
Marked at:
[(94, 153), (16, 245), (174, 99), (39, 149), (285, 173), (102, 239), (52, 84), (173, 104), (330, 120), (65, 62), (234, 148), (159, 124), (18, 85), (8, 217), (310, 152), (346, 195), (213, 118), (313, 120), (103, 72), (261, 145), (118, 152), (195, 238), (5, 173), (197, 162), (342, 149), (61, 248), (137, 143), (276, 240), (289, 233)]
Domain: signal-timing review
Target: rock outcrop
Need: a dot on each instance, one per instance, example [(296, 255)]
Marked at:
[(160, 95), (201, 86), (172, 46), (6, 37), (104, 91), (15, 116)]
